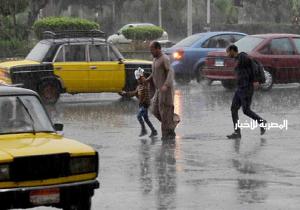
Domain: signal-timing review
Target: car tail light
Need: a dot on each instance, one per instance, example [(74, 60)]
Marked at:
[(178, 55), (230, 62)]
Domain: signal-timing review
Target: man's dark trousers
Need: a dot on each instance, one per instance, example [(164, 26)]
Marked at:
[(243, 97)]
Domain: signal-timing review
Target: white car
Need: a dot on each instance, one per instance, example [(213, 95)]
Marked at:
[(120, 38)]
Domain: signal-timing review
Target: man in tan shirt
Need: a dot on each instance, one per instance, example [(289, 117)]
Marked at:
[(163, 103)]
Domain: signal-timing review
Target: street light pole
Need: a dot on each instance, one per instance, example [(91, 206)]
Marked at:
[(159, 14), (208, 15), (189, 17)]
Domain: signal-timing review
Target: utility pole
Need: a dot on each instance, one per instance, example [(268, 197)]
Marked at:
[(189, 17), (208, 17), (159, 14)]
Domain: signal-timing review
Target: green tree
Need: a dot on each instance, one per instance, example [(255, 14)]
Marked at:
[(227, 8), (295, 4), (9, 10)]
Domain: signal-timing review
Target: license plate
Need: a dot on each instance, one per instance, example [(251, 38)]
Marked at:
[(47, 196), (219, 62)]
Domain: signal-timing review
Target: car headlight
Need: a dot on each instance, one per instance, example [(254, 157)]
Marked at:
[(82, 165), (4, 172)]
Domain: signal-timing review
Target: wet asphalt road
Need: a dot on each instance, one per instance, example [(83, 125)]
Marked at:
[(202, 170)]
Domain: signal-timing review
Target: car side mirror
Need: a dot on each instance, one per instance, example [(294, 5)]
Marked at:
[(58, 127)]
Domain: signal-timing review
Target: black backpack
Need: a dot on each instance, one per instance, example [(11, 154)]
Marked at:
[(258, 72)]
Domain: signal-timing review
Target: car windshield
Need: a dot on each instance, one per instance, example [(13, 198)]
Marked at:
[(189, 41), (115, 52), (38, 52), (23, 114), (248, 43)]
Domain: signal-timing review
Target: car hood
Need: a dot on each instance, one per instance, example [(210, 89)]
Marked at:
[(18, 145), (9, 64)]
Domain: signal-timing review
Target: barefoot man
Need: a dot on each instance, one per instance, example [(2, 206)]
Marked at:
[(163, 102)]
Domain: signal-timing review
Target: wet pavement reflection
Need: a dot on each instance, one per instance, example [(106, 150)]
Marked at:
[(201, 169)]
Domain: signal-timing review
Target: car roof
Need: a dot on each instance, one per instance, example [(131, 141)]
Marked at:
[(273, 35), (74, 40), (137, 24), (214, 33), (13, 91)]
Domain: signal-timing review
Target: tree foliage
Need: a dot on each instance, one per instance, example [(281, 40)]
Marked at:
[(9, 7), (61, 24), (143, 33)]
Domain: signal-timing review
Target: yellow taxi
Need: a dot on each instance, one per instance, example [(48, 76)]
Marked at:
[(38, 166), (73, 63)]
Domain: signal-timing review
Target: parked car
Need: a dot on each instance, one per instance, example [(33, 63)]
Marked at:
[(119, 38), (84, 63), (188, 55), (38, 166), (278, 53)]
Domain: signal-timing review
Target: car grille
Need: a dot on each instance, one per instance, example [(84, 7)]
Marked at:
[(40, 167)]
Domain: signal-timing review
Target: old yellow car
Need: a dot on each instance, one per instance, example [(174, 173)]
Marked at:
[(38, 166), (68, 62)]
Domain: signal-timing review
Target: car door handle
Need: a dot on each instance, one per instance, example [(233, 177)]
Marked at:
[(93, 67), (58, 68)]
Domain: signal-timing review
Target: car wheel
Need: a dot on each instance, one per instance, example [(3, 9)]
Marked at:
[(82, 203), (269, 81), (200, 77), (229, 84), (49, 91)]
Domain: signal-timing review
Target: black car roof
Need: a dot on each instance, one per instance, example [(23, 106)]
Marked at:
[(13, 91)]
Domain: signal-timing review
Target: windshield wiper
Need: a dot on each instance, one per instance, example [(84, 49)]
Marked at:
[(27, 111)]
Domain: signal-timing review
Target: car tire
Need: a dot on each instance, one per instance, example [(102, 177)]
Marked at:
[(229, 84), (269, 81), (200, 78), (82, 203), (49, 91)]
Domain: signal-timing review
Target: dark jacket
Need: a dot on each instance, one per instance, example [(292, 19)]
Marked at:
[(243, 71)]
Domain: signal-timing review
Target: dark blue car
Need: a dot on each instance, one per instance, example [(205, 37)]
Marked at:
[(188, 55)]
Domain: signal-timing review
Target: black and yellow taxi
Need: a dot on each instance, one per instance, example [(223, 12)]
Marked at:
[(73, 62), (38, 166)]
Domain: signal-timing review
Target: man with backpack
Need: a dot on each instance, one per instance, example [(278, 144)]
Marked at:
[(248, 75)]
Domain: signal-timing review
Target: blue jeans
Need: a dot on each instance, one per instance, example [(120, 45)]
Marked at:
[(143, 116)]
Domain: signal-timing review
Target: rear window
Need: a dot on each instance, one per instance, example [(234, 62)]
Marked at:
[(189, 41), (248, 43)]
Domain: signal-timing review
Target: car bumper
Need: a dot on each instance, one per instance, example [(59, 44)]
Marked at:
[(22, 197), (219, 74), (181, 70)]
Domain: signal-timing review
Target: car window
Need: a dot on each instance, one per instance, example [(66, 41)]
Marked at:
[(115, 53), (22, 114), (248, 43), (220, 41), (236, 37), (189, 41), (75, 53), (280, 46), (297, 44), (98, 52), (39, 51), (60, 55)]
